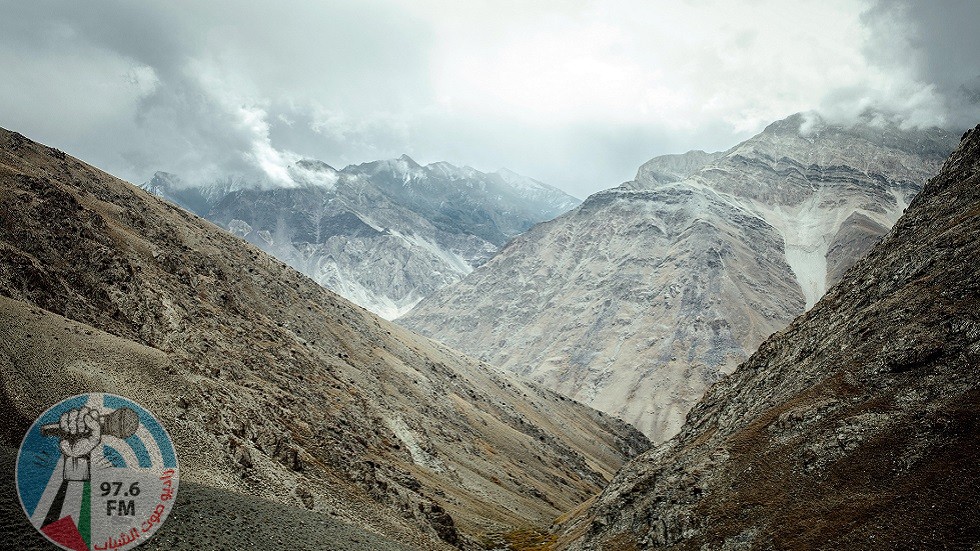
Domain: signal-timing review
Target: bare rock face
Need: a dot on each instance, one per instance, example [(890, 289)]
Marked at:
[(666, 169), (853, 240), (643, 296), (855, 428), (272, 386), (383, 234)]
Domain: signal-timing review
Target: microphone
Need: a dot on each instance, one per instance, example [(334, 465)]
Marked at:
[(121, 423)]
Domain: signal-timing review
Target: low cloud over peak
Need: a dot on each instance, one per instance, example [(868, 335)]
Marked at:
[(576, 94)]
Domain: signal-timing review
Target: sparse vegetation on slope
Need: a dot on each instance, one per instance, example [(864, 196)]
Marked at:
[(271, 385)]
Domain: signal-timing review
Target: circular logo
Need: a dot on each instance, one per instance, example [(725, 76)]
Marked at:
[(97, 471)]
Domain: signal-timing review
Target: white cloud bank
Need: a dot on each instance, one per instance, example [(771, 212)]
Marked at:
[(576, 93)]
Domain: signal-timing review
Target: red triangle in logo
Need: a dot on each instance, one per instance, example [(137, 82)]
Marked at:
[(64, 532)]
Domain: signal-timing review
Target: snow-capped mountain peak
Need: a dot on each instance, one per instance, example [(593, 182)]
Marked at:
[(383, 234)]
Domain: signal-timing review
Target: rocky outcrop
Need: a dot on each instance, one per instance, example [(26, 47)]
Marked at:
[(272, 386), (666, 169), (854, 428), (640, 298), (384, 234)]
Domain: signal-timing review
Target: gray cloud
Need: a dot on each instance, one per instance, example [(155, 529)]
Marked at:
[(577, 94), (198, 89), (936, 45)]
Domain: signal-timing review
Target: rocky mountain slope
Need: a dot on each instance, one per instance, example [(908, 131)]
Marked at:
[(272, 386), (855, 428), (383, 234), (666, 169), (644, 295)]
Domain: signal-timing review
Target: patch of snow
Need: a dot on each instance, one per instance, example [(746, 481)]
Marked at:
[(807, 229), (321, 177), (446, 170), (520, 182)]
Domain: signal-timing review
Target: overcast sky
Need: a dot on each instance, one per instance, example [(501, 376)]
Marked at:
[(574, 93)]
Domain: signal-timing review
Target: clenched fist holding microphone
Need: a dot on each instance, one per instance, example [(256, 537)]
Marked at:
[(81, 432)]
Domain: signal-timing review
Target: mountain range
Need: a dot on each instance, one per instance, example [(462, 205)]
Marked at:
[(284, 400), (645, 294), (303, 421), (854, 428), (383, 234)]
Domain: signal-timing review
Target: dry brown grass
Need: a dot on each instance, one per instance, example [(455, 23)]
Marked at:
[(529, 539)]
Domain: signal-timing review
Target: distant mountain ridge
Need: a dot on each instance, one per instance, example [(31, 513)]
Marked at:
[(673, 168), (383, 234), (645, 294)]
